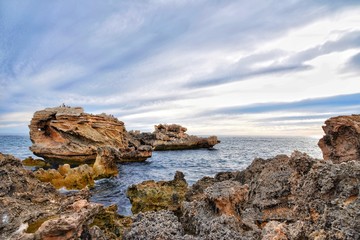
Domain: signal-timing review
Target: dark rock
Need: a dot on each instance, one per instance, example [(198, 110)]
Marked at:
[(173, 137)]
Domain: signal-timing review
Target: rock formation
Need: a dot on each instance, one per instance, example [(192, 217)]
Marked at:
[(31, 162), (294, 197), (341, 142), (65, 134), (30, 209), (83, 175), (155, 196), (173, 137)]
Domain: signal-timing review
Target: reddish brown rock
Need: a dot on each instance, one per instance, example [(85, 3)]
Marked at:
[(341, 142), (66, 134), (173, 137)]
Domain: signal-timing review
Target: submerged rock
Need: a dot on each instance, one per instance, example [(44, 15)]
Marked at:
[(30, 209), (31, 162), (68, 135), (65, 176), (341, 142), (83, 175), (173, 137), (155, 196)]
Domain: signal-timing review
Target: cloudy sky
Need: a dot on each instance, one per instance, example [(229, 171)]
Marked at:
[(260, 67)]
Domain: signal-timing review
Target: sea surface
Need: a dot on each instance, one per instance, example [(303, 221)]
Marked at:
[(233, 153)]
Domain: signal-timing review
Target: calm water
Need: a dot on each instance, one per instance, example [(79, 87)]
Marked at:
[(233, 153)]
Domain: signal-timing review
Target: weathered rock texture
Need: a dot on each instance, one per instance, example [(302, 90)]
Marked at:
[(173, 137), (341, 142), (83, 175), (30, 209), (155, 196), (294, 197), (31, 162), (65, 134)]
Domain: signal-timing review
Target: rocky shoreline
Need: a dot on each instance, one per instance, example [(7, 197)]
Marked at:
[(285, 197)]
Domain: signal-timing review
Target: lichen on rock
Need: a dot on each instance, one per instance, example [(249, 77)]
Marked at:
[(155, 196)]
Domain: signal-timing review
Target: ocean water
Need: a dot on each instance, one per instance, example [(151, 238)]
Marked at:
[(233, 153)]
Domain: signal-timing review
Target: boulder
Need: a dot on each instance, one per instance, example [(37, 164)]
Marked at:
[(341, 142), (68, 135), (155, 196), (173, 137)]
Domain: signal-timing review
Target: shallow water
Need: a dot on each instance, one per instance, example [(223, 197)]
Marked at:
[(233, 153)]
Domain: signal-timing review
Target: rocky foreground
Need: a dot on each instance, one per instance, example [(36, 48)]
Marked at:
[(30, 209), (286, 197), (294, 197), (173, 137)]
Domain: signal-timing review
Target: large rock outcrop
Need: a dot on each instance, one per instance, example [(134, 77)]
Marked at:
[(173, 137), (30, 209), (66, 134), (341, 142), (294, 197)]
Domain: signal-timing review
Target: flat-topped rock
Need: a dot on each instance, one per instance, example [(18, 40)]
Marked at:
[(67, 134), (173, 137), (341, 142)]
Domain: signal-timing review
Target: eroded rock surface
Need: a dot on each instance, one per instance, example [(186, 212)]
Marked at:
[(66, 134), (173, 137), (341, 142), (30, 209), (84, 175), (294, 197), (155, 196)]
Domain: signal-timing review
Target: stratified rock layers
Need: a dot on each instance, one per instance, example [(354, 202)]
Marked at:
[(173, 137), (341, 142), (65, 134)]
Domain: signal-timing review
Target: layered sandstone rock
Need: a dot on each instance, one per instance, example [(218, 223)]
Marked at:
[(66, 134), (341, 142), (155, 196), (173, 137), (294, 197), (30, 209)]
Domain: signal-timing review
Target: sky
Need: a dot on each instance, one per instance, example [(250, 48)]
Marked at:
[(260, 67)]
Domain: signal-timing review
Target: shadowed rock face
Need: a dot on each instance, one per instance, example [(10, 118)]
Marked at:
[(294, 197), (341, 142), (68, 135), (173, 137)]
